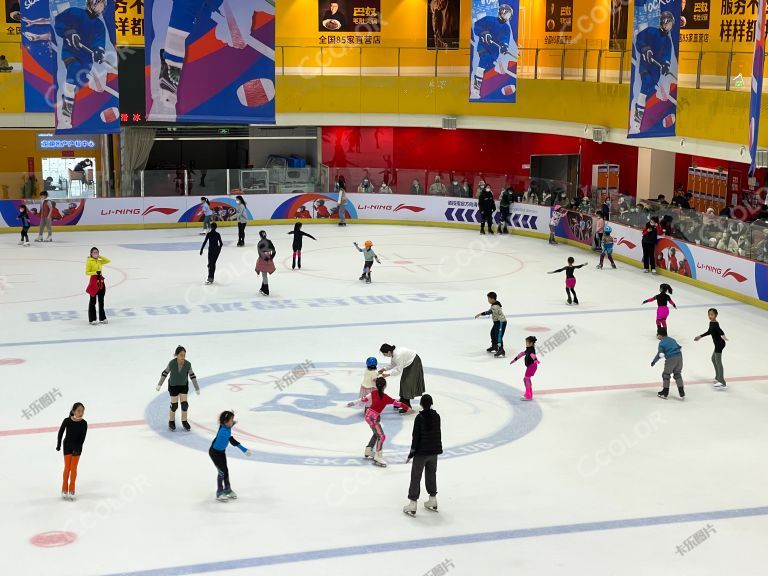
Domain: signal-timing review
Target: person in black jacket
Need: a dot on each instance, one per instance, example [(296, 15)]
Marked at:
[(425, 447), (213, 239), (298, 238), (487, 206)]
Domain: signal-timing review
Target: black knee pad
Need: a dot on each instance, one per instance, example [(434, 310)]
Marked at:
[(184, 406), (174, 406)]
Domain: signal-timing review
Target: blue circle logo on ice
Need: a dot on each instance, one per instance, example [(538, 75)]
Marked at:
[(305, 420)]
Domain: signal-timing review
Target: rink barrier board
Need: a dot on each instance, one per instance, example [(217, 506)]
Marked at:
[(699, 266)]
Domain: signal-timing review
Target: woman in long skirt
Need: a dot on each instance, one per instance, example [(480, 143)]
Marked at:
[(407, 364)]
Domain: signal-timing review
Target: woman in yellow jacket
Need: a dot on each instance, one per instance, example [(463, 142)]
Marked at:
[(96, 287)]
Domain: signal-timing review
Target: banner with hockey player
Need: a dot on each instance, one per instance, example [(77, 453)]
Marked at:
[(210, 61), (758, 60), (70, 64), (493, 51), (653, 87)]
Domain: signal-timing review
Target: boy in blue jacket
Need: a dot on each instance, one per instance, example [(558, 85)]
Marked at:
[(673, 362)]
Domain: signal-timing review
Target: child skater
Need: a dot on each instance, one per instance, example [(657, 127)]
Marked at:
[(673, 363), (499, 325), (606, 241), (378, 401), (368, 383), (369, 255), (218, 454), (76, 428), (426, 445), (719, 339), (215, 244), (570, 279), (265, 264), (531, 364), (96, 288), (663, 298), (205, 206), (24, 219), (554, 220), (298, 237), (180, 369)]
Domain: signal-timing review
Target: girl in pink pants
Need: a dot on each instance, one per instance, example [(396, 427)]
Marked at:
[(531, 363), (663, 298)]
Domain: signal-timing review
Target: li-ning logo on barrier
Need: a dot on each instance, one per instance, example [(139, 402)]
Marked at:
[(165, 211), (625, 242), (293, 424), (389, 207), (408, 207), (722, 273)]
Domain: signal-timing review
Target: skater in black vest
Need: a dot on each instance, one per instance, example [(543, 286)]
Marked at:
[(213, 239)]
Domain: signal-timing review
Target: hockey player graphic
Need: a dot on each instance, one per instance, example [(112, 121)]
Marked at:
[(655, 55), (493, 49), (83, 36)]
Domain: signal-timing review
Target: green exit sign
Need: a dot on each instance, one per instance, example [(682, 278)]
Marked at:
[(224, 131)]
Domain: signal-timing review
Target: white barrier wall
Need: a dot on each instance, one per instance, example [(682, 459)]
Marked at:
[(716, 268)]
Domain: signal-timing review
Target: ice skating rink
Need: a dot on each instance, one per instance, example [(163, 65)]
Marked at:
[(597, 476)]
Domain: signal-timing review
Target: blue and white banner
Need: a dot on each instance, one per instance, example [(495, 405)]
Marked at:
[(653, 81), (210, 61), (70, 64), (493, 51), (757, 85)]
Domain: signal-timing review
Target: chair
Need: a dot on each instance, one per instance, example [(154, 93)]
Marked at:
[(78, 177)]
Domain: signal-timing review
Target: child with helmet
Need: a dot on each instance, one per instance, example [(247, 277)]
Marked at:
[(607, 247), (369, 381), (369, 255)]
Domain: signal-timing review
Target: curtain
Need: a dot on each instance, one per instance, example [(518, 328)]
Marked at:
[(136, 145)]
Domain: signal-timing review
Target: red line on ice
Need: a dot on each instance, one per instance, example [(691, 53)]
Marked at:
[(643, 385), (23, 431)]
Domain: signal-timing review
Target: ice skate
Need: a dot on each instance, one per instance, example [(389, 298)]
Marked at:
[(646, 271), (600, 266), (186, 425), (525, 398), (299, 263), (65, 495), (67, 109), (362, 277), (368, 278), (569, 302), (164, 102), (26, 244), (293, 264), (49, 238), (378, 460), (368, 452), (662, 395), (231, 494), (492, 348), (208, 282), (72, 497), (39, 239), (431, 504), (721, 386), (613, 265), (21, 243), (172, 425), (500, 353), (410, 508), (221, 496), (653, 271), (94, 323), (575, 302), (105, 321)]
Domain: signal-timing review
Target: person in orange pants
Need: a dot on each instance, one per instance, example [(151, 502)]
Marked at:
[(76, 428)]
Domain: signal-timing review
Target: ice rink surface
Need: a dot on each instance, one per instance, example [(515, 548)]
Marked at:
[(597, 476)]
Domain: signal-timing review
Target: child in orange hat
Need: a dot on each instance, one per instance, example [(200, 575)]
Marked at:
[(369, 256)]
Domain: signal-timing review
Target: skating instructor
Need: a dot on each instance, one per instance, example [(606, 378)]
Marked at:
[(407, 364)]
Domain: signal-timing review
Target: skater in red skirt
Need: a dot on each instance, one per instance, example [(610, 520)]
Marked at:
[(265, 264)]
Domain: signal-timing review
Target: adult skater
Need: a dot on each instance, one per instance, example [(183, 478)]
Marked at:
[(205, 206), (215, 244), (265, 264), (76, 428), (378, 401), (531, 364), (218, 455), (342, 202), (651, 232), (407, 364), (570, 279), (368, 256), (719, 339), (505, 201), (673, 363), (663, 298), (180, 371), (96, 288), (241, 213), (298, 241), (426, 445), (487, 206), (499, 325), (46, 217)]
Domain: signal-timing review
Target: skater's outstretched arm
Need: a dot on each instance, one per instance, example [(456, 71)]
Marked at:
[(649, 300), (581, 265), (558, 270), (516, 358), (310, 235), (358, 247)]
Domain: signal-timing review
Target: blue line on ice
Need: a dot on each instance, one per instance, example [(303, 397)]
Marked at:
[(478, 537), (209, 333)]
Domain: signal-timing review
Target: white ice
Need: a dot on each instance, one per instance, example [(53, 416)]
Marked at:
[(597, 476)]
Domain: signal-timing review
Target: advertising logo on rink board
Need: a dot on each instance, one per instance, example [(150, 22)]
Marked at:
[(298, 414)]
